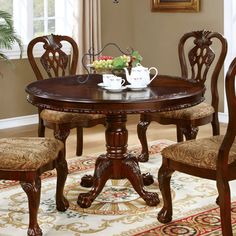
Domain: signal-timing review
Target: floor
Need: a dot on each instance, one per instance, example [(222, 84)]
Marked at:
[(94, 139)]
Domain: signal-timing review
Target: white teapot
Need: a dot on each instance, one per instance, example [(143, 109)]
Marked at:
[(140, 76)]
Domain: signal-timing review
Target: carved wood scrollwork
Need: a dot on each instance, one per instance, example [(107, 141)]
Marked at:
[(201, 56), (54, 60)]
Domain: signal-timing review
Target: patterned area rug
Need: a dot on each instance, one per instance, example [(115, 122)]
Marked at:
[(118, 210)]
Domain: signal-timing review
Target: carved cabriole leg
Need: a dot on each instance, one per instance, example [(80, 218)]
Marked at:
[(190, 132), (62, 172), (116, 164), (133, 173), (141, 130), (79, 144), (102, 172), (33, 191), (225, 205), (164, 176)]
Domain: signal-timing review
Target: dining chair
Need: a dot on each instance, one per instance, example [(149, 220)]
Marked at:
[(201, 56), (59, 58), (24, 160), (211, 158)]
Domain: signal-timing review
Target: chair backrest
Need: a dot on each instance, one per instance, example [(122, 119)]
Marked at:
[(196, 60), (56, 60), (231, 129)]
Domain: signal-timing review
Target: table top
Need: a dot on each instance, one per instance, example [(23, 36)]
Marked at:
[(72, 94)]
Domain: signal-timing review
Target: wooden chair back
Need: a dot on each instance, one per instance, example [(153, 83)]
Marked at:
[(57, 59), (222, 162)]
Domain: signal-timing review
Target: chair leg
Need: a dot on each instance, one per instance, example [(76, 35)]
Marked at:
[(190, 132), (218, 200), (225, 207), (61, 133), (33, 191), (41, 128), (180, 136), (141, 130), (215, 128), (79, 144), (62, 172), (164, 176)]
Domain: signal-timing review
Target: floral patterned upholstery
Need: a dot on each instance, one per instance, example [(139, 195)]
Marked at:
[(66, 117), (28, 154), (200, 153), (196, 112)]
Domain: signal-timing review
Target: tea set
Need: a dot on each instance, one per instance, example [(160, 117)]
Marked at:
[(138, 78)]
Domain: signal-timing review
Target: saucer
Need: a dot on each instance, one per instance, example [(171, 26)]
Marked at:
[(115, 90), (135, 88), (101, 85)]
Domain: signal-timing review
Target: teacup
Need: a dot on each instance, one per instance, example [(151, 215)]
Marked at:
[(115, 82), (106, 79)]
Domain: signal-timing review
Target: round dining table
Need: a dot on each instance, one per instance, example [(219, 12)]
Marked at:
[(82, 94)]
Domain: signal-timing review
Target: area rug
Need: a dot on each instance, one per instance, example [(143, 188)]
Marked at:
[(118, 210)]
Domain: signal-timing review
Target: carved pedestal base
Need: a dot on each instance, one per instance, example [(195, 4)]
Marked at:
[(116, 164)]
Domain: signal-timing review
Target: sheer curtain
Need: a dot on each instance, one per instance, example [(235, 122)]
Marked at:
[(87, 27)]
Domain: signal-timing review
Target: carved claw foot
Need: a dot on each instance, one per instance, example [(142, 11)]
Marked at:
[(147, 179), (87, 181), (163, 216), (143, 157), (62, 204), (152, 199), (36, 231), (85, 200)]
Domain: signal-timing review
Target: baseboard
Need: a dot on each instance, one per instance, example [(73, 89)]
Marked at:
[(18, 121), (33, 119)]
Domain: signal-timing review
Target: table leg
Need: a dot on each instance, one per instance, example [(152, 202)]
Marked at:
[(116, 164)]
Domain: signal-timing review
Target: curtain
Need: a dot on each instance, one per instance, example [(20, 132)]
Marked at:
[(87, 28)]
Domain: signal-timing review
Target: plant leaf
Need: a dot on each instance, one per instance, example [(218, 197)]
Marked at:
[(8, 36)]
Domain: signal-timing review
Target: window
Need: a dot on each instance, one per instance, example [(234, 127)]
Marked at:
[(33, 18)]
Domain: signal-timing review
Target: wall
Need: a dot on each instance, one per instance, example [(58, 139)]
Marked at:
[(129, 23), (156, 34), (14, 78), (117, 23)]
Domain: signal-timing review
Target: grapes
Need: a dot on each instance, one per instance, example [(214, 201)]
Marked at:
[(102, 64), (105, 58), (107, 62)]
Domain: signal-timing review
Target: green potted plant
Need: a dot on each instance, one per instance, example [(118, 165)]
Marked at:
[(8, 36)]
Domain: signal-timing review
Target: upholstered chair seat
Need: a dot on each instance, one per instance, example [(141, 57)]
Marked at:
[(27, 154), (192, 113), (67, 117), (212, 158), (201, 153), (24, 160)]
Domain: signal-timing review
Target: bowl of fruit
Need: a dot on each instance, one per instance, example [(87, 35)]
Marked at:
[(115, 65)]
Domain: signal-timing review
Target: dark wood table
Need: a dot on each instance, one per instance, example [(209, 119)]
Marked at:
[(70, 95)]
